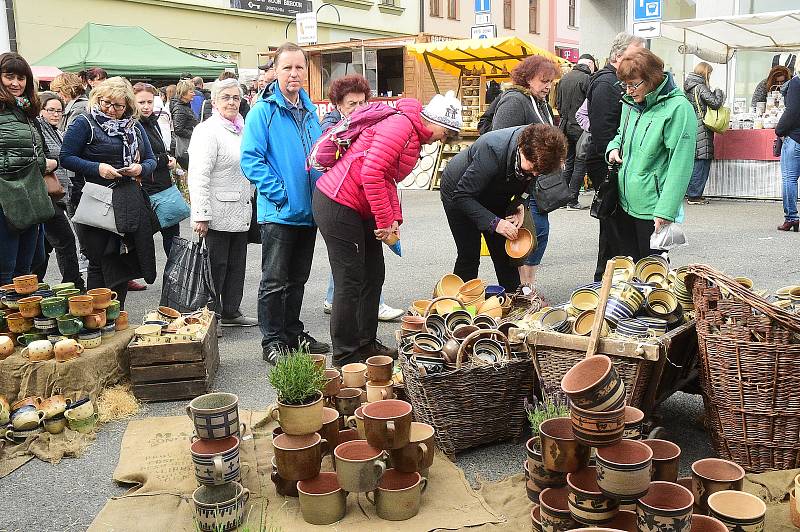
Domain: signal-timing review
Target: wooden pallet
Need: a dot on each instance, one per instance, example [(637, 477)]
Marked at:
[(171, 372)]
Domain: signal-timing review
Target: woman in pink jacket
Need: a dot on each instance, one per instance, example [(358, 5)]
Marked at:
[(356, 207)]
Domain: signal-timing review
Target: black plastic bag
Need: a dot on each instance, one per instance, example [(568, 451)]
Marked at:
[(187, 284)]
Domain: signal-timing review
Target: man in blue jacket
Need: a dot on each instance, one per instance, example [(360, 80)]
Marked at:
[(280, 130)]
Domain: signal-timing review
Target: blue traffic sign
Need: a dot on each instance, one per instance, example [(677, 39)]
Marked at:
[(483, 6), (645, 10)]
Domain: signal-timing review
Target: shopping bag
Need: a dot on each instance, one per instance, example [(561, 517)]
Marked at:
[(670, 236), (187, 284)]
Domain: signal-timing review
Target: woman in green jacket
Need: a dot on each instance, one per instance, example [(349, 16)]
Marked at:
[(24, 203), (655, 145)]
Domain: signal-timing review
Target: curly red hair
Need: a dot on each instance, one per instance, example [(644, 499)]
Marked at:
[(343, 86), (544, 146), (530, 67)]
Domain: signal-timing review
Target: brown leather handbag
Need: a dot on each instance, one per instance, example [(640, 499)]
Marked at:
[(53, 185)]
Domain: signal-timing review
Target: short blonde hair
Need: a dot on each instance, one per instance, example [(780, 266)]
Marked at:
[(116, 88), (185, 86), (68, 83)]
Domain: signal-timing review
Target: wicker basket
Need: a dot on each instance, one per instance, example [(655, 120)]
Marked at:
[(471, 405), (750, 373)]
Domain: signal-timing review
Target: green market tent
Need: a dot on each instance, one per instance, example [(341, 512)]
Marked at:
[(128, 51)]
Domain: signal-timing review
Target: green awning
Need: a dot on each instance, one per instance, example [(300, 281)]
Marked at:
[(128, 51)]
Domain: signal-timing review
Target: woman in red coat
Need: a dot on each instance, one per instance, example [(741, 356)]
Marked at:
[(357, 208)]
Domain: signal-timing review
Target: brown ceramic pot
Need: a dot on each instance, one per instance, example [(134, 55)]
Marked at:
[(623, 470), (399, 495), (542, 477), (711, 475), (81, 305), (27, 401), (101, 299), (633, 423), (666, 459), (320, 361), (587, 504), (379, 390), (330, 427), (593, 384), (121, 323), (666, 506), (554, 508), (359, 466), (387, 424), (333, 382), (597, 429), (536, 518), (347, 400), (354, 375), (418, 454), (26, 284), (299, 457), (298, 419), (19, 324), (379, 367), (95, 320), (287, 488), (560, 450), (322, 500)]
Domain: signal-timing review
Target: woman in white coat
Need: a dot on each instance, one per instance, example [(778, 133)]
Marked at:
[(220, 197)]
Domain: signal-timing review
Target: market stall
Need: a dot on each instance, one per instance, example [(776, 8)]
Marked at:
[(744, 166)]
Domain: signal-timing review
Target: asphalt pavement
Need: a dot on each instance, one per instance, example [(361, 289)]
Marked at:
[(735, 236)]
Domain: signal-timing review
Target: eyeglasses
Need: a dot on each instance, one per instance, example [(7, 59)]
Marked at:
[(630, 86), (228, 98), (54, 111), (105, 104)]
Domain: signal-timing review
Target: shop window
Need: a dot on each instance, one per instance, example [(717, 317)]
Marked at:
[(436, 8), (452, 9), (508, 14), (572, 13), (533, 16)]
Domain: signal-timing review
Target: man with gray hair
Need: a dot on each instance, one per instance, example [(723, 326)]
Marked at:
[(604, 97)]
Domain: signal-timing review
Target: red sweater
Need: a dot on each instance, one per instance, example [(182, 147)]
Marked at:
[(366, 178)]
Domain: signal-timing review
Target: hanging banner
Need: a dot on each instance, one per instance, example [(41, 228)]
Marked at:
[(274, 7)]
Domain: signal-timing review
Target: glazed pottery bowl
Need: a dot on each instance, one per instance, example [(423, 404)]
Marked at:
[(17, 323), (555, 510), (298, 419), (421, 306), (412, 323), (109, 330), (561, 452), (593, 384), (54, 406), (26, 418), (45, 325), (69, 325), (520, 246), (597, 429), (81, 409), (666, 506), (113, 310), (322, 500), (587, 504), (426, 344), (618, 310), (542, 477), (704, 523), (26, 284), (359, 466), (30, 337), (711, 475), (90, 339), (348, 400), (661, 302), (485, 322), (472, 288), (666, 459), (633, 423), (30, 307), (101, 297), (216, 461), (354, 375), (68, 293), (623, 470), (435, 325), (584, 299), (488, 350), (585, 321), (62, 286), (556, 319), (168, 314), (456, 319), (220, 507), (398, 495), (738, 510), (82, 425), (448, 285), (299, 457), (215, 415), (387, 424), (81, 305), (56, 424)]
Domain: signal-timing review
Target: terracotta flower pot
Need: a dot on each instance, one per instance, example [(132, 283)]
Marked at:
[(298, 419), (711, 475), (738, 510), (704, 523), (542, 477), (597, 429), (593, 384), (560, 450), (666, 506), (623, 470), (587, 504), (666, 459), (554, 508), (633, 423)]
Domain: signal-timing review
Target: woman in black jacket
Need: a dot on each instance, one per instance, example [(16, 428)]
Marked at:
[(698, 90), (183, 120), (161, 179), (482, 191)]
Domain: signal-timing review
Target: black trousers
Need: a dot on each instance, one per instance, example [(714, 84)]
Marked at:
[(608, 238), (468, 248), (574, 168), (286, 255), (167, 234), (356, 259), (227, 253), (59, 237), (634, 235)]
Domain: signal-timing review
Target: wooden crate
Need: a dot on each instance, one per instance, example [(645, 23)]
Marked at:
[(174, 371)]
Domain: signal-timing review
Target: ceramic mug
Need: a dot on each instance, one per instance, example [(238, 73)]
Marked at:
[(298, 419), (354, 375), (54, 406), (82, 425), (633, 423), (593, 384), (666, 460), (418, 454), (387, 423), (81, 305), (28, 338), (62, 286), (287, 488), (6, 346), (322, 500), (67, 349), (299, 457), (30, 307), (398, 495), (561, 452), (45, 325), (587, 504), (121, 322), (95, 320), (379, 368), (113, 310), (711, 475), (17, 323), (220, 507), (101, 297), (81, 409), (26, 418), (38, 350), (216, 461), (347, 400), (215, 415), (359, 466), (623, 470), (90, 339), (333, 382), (378, 391), (667, 506), (597, 429), (69, 325), (356, 421), (26, 284), (56, 424)]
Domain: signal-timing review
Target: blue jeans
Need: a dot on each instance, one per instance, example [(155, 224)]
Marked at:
[(699, 177), (17, 250), (790, 170), (542, 233), (329, 293)]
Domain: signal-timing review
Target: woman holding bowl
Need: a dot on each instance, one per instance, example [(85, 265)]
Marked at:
[(483, 190)]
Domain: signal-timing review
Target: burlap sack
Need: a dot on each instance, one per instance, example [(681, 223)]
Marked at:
[(45, 446)]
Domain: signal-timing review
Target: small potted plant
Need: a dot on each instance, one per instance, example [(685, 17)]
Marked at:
[(298, 381), (552, 405)]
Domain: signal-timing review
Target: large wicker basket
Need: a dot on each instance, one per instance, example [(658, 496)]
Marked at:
[(750, 372), (471, 405)]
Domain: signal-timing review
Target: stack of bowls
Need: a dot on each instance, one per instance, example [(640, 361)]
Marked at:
[(617, 310), (556, 319), (632, 327), (448, 286), (681, 291), (491, 307), (472, 293), (663, 304), (411, 324), (653, 269)]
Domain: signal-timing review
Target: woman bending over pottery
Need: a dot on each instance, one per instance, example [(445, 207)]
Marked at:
[(356, 207), (483, 189)]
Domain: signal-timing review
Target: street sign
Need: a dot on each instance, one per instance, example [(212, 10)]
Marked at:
[(481, 19), (306, 28), (647, 10), (274, 7), (488, 31), (647, 30), (483, 6)]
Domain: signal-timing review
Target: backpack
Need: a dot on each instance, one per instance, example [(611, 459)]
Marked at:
[(485, 121), (332, 145)]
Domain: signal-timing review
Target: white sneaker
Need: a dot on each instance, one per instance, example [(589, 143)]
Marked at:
[(387, 313), (326, 307)]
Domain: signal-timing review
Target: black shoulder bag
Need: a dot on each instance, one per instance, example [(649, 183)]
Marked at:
[(606, 198)]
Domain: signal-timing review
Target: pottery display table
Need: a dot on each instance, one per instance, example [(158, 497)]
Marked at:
[(88, 374)]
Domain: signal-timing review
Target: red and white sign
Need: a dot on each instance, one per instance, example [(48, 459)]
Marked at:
[(570, 54)]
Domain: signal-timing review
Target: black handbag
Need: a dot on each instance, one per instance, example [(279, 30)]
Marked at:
[(777, 146), (254, 233), (606, 197), (551, 192)]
